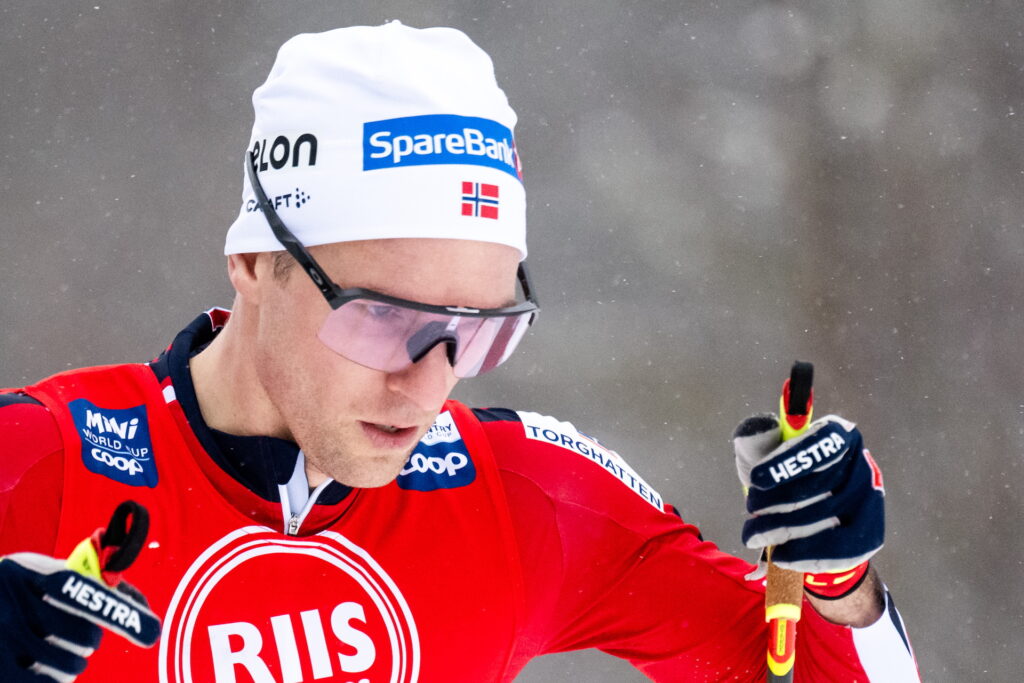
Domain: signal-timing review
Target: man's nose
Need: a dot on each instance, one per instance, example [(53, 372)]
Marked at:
[(428, 337), (427, 382)]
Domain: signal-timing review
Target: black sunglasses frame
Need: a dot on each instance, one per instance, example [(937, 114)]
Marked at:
[(338, 297)]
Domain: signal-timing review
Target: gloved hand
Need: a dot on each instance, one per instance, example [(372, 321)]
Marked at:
[(50, 618), (817, 497)]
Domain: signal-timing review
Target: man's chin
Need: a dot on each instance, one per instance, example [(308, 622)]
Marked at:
[(369, 480), (369, 473)]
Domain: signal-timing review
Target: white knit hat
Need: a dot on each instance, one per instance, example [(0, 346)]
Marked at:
[(373, 132)]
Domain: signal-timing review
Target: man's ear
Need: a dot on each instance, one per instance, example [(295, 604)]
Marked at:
[(245, 275)]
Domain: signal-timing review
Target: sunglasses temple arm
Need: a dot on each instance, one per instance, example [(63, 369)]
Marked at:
[(524, 282), (287, 238)]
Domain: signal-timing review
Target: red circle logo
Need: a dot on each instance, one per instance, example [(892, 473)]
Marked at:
[(259, 607)]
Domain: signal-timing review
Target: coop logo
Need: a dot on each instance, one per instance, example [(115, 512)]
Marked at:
[(439, 139), (116, 442), (440, 460), (290, 200), (449, 465), (283, 151), (326, 610)]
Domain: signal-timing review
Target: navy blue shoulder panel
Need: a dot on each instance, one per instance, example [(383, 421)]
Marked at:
[(12, 399), (897, 621), (496, 415)]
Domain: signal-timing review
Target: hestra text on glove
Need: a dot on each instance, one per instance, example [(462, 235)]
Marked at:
[(818, 498), (50, 618)]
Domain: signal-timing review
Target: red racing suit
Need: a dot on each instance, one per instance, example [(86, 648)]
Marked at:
[(508, 535)]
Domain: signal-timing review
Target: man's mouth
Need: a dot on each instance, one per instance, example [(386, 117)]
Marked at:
[(390, 436)]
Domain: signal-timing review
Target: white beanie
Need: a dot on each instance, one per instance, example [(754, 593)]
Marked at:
[(373, 132)]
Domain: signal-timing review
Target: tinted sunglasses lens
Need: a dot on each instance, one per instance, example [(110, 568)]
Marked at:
[(490, 344), (375, 334), (390, 338)]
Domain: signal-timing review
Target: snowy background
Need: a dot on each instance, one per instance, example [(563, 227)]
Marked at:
[(715, 189)]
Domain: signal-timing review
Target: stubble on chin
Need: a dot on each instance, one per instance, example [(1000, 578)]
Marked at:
[(346, 462)]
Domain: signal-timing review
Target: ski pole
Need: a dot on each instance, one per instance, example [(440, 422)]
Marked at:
[(785, 590), (107, 552)]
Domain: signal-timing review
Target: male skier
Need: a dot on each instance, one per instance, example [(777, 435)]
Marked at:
[(318, 510)]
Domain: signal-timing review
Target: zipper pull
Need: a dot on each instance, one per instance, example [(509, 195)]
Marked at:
[(293, 526)]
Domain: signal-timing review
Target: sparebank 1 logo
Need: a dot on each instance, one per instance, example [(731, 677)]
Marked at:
[(116, 442), (259, 607), (439, 461), (439, 139)]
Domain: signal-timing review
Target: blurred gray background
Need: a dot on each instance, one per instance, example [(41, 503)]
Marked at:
[(715, 189)]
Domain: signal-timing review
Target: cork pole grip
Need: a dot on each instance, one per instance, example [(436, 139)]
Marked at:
[(785, 587)]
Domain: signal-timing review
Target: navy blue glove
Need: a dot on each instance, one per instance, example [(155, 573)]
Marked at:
[(817, 497), (50, 618)]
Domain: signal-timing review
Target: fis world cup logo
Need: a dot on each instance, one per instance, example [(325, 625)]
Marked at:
[(116, 442), (259, 606), (439, 139)]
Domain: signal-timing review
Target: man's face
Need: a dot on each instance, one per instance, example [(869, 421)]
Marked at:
[(344, 415)]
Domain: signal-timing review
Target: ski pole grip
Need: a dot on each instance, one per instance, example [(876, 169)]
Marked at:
[(782, 610), (796, 404), (785, 588)]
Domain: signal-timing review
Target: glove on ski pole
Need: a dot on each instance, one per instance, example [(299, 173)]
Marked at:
[(52, 611), (818, 496)]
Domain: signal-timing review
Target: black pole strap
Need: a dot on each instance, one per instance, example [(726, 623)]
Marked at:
[(127, 537)]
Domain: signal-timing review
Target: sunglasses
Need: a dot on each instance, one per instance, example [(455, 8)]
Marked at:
[(387, 333)]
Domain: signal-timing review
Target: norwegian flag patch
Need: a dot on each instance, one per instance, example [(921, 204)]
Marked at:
[(479, 199)]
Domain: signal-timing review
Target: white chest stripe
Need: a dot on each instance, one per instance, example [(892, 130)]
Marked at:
[(883, 652)]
